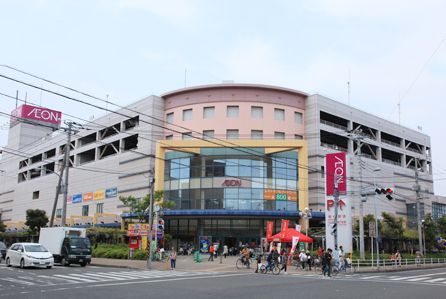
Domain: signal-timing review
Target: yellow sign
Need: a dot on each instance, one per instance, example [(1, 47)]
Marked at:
[(138, 229), (100, 194), (281, 195)]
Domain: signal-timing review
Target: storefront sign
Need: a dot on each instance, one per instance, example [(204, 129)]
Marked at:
[(337, 169), (280, 195), (39, 114), (111, 192), (87, 196), (77, 198), (232, 183), (138, 229), (269, 228), (100, 194), (283, 228)]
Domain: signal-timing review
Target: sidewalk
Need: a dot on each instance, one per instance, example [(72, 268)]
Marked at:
[(186, 263)]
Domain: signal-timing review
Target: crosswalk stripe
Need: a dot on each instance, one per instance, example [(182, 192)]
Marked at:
[(371, 277), (101, 276), (57, 278), (435, 280), (84, 276), (418, 279), (17, 281), (69, 277)]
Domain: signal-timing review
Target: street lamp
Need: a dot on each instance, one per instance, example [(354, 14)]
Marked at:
[(424, 236), (306, 215)]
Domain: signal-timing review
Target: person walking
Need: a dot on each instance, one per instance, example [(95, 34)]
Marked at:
[(326, 262), (302, 259), (225, 250), (173, 258), (309, 260), (211, 253)]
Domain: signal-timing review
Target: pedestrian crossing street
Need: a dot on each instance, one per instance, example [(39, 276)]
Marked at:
[(44, 278), (432, 278)]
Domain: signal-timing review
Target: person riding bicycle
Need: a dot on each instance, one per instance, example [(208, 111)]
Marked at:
[(271, 257), (245, 254)]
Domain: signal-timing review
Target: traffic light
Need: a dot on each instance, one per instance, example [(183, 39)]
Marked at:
[(388, 192), (334, 228)]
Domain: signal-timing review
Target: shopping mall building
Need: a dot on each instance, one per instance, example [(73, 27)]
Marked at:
[(231, 157)]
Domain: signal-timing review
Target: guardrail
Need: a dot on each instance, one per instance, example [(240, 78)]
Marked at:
[(395, 264)]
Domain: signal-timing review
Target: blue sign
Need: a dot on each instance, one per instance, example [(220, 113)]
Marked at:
[(77, 198), (111, 192)]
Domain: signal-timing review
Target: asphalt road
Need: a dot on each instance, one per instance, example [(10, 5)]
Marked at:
[(104, 282)]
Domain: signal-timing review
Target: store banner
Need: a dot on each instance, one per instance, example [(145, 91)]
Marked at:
[(77, 198), (86, 197), (336, 167), (111, 192), (100, 194), (283, 228), (269, 229), (294, 242)]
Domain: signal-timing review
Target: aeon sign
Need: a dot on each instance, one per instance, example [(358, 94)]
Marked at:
[(231, 183), (335, 170), (39, 114)]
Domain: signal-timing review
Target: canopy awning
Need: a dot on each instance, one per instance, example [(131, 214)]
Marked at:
[(288, 238)]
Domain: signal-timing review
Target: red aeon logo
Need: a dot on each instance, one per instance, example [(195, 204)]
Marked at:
[(232, 183)]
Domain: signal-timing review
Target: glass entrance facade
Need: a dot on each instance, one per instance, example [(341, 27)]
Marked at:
[(232, 179)]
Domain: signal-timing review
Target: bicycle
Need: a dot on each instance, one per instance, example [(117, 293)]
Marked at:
[(243, 262), (273, 267)]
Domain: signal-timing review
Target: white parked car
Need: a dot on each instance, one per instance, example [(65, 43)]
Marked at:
[(29, 255)]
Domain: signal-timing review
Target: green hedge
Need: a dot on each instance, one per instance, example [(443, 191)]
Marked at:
[(117, 251)]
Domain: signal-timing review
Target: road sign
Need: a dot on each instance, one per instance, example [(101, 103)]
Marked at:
[(372, 229)]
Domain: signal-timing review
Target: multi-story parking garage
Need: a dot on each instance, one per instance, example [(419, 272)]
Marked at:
[(231, 156)]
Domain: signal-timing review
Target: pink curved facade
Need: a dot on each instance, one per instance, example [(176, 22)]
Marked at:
[(282, 111)]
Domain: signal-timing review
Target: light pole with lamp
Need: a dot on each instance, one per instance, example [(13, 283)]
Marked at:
[(306, 215), (423, 222)]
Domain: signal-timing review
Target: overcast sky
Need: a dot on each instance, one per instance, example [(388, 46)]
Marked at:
[(390, 51)]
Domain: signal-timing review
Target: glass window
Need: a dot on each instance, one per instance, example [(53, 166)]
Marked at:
[(256, 134), (256, 112), (231, 204), (208, 112), (298, 117), (257, 205), (244, 167), (187, 114), (187, 135), (291, 205), (232, 111), (245, 204), (58, 213), (281, 205), (100, 208), (169, 118), (244, 193), (279, 135), (231, 192), (85, 210), (296, 136), (231, 134), (257, 193), (169, 137), (208, 134), (279, 114)]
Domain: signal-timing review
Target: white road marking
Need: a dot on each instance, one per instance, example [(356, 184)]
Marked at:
[(18, 281), (370, 277), (69, 277), (435, 280)]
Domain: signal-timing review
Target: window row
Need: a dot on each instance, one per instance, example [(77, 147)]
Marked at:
[(219, 193), (234, 134), (233, 112), (234, 204)]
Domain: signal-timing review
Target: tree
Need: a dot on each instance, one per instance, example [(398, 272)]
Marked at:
[(392, 227), (140, 206), (441, 224), (35, 219), (429, 231), (2, 225)]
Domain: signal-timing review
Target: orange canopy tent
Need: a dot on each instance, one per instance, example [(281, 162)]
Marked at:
[(288, 236)]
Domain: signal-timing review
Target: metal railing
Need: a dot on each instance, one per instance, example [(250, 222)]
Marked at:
[(385, 264), (332, 124)]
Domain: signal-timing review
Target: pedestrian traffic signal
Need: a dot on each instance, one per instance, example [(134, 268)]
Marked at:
[(334, 228), (388, 192)]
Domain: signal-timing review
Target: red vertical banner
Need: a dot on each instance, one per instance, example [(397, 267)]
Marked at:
[(335, 168), (283, 228), (269, 229)]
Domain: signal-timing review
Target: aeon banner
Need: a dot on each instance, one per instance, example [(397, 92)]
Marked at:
[(38, 114), (336, 168)]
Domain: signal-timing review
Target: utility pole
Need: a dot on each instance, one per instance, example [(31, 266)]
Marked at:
[(152, 186), (67, 167), (361, 204), (417, 190), (59, 184), (336, 204)]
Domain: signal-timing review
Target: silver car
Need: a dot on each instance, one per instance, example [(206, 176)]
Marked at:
[(29, 255)]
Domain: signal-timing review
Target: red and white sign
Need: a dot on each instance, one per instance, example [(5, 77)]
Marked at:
[(39, 114), (269, 229), (283, 228), (335, 165)]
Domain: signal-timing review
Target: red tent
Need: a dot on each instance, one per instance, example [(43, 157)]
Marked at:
[(289, 234)]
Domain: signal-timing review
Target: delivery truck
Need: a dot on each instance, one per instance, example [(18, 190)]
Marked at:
[(68, 245)]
